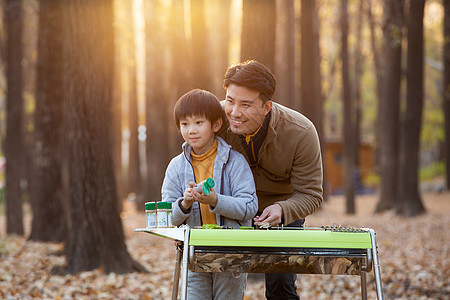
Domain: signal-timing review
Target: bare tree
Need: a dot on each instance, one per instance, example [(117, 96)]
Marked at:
[(28, 63), (311, 81), (201, 73), (375, 49), (349, 115), (285, 54), (356, 83), (378, 66), (134, 162), (47, 196), (157, 116), (220, 43), (258, 31), (447, 88), (180, 71), (96, 237), (389, 107), (409, 201), (13, 147), (117, 114)]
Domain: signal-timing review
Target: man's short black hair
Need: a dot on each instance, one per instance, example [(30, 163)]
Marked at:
[(254, 75)]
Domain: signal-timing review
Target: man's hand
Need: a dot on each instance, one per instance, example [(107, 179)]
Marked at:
[(271, 214)]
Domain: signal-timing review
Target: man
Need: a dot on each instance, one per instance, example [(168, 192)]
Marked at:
[(282, 148)]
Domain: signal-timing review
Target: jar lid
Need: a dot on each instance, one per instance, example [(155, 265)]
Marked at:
[(150, 205), (164, 205)]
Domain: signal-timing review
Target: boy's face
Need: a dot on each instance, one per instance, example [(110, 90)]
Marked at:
[(198, 132), (244, 109)]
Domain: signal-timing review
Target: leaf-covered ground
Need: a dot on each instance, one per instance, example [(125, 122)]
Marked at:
[(414, 257)]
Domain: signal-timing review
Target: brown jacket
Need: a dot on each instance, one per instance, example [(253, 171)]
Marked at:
[(289, 169)]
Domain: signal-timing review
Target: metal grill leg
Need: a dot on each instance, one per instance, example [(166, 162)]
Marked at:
[(363, 286), (376, 266), (176, 273), (184, 275)]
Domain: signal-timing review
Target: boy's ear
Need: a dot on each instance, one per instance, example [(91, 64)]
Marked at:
[(217, 125)]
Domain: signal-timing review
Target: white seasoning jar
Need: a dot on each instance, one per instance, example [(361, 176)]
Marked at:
[(161, 208), (150, 211), (169, 214)]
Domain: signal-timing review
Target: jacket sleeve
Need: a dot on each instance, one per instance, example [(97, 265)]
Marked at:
[(173, 191), (306, 179), (242, 203)]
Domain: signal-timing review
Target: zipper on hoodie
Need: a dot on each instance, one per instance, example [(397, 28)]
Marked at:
[(222, 176), (195, 180)]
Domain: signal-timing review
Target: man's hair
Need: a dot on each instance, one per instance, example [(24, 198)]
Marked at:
[(254, 75), (198, 102)]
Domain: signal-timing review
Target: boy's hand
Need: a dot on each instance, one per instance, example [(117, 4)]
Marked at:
[(210, 199), (188, 196)]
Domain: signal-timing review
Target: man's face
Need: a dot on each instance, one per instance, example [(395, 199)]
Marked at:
[(244, 109)]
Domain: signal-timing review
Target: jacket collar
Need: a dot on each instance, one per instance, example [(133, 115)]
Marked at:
[(273, 122), (223, 150)]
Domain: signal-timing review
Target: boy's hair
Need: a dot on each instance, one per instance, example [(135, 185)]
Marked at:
[(198, 102), (254, 75)]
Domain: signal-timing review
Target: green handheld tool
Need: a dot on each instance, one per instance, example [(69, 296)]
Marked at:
[(205, 186)]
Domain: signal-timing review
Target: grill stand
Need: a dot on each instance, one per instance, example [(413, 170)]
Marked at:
[(184, 256)]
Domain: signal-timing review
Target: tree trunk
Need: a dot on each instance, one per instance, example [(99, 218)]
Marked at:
[(409, 202), (134, 162), (201, 73), (14, 150), (311, 86), (28, 63), (356, 85), (134, 168), (220, 43), (285, 55), (389, 108), (157, 115), (447, 88), (258, 31), (117, 113), (349, 115), (378, 75), (377, 64), (181, 76), (96, 238), (47, 196)]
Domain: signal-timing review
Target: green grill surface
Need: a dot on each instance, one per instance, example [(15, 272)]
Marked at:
[(307, 238)]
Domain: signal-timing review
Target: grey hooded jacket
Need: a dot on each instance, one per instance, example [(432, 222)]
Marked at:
[(237, 203)]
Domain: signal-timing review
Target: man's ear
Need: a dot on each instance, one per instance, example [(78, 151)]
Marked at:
[(267, 107), (217, 125)]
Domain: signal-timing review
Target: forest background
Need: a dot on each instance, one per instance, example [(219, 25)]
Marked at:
[(88, 87)]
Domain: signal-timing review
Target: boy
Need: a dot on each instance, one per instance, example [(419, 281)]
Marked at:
[(232, 202)]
